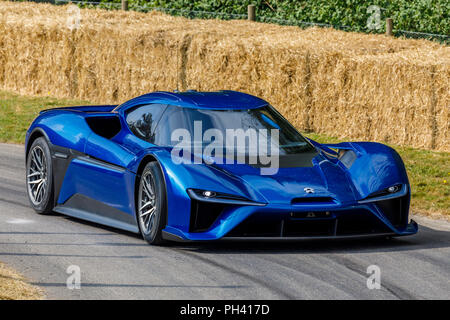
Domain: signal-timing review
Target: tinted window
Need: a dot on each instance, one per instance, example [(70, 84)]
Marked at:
[(142, 120), (290, 140), (173, 118)]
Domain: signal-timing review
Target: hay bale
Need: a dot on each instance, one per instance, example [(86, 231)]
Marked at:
[(364, 87)]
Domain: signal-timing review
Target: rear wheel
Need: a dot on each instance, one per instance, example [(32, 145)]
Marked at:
[(39, 177), (151, 204)]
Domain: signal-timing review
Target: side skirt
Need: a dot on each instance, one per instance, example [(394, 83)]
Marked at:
[(85, 208)]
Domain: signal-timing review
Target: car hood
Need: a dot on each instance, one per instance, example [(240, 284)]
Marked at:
[(325, 178)]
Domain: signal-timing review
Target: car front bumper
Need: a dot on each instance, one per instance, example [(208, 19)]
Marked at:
[(281, 222)]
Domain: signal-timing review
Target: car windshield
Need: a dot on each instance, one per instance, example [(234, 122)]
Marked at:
[(242, 123)]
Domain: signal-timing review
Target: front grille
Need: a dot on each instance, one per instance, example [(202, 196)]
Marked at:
[(309, 228), (305, 224), (359, 222), (256, 228)]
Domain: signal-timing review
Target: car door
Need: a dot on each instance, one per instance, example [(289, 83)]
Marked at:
[(97, 186)]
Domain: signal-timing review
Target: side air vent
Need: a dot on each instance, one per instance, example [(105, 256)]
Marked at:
[(105, 126), (312, 200)]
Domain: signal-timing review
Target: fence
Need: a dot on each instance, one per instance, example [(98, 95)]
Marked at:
[(251, 15)]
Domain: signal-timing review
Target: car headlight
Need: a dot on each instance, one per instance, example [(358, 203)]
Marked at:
[(208, 194), (220, 197), (392, 190)]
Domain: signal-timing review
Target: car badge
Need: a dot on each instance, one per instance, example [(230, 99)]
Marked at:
[(309, 190)]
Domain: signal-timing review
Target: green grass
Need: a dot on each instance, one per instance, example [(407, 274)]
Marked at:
[(429, 171), (17, 112)]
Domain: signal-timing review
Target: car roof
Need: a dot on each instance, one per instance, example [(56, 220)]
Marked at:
[(224, 99)]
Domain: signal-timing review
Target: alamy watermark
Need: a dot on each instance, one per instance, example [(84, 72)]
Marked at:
[(73, 21), (74, 279), (374, 279), (374, 20), (251, 146)]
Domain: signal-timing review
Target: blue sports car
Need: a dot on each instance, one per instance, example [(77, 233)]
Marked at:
[(189, 166)]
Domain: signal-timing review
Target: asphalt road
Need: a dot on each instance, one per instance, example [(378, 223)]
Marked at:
[(120, 265)]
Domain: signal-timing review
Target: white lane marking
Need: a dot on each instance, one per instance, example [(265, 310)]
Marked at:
[(19, 221)]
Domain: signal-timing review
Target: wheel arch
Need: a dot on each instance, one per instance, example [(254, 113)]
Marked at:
[(35, 134), (145, 160)]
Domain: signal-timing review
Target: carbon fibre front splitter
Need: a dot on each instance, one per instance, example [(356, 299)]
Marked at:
[(411, 229)]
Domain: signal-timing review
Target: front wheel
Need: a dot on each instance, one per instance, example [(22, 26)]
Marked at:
[(39, 177), (151, 204)]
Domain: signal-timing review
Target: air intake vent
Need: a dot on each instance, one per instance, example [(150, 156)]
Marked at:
[(396, 210), (203, 215), (105, 126), (312, 200)]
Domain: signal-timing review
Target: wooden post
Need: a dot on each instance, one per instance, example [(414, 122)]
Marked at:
[(125, 5), (251, 12), (389, 25)]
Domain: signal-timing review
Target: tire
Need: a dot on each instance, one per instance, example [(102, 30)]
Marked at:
[(151, 211), (39, 177)]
